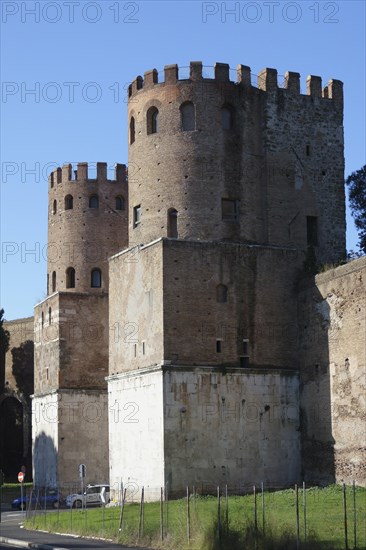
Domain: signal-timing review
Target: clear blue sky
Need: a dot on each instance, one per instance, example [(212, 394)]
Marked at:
[(101, 46)]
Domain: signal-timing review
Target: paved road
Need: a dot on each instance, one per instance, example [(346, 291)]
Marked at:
[(10, 527)]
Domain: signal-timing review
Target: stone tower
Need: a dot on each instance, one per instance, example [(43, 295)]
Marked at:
[(230, 186), (87, 223)]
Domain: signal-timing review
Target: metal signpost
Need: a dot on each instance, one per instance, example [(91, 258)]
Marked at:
[(21, 476), (82, 472)]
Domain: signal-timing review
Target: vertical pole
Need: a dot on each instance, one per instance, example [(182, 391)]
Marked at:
[(188, 518), (161, 514), (71, 518), (121, 513), (166, 508), (218, 513), (122, 509), (297, 517), (21, 497), (304, 502), (141, 519), (263, 518), (345, 517), (354, 516), (226, 510), (45, 505)]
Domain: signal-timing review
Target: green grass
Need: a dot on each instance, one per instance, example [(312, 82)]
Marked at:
[(325, 522)]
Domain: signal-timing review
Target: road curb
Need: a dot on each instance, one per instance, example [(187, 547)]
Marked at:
[(25, 544)]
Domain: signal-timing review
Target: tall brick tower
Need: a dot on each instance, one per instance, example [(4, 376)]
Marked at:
[(87, 223), (231, 187)]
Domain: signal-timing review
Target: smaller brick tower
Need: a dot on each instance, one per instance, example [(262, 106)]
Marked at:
[(87, 224)]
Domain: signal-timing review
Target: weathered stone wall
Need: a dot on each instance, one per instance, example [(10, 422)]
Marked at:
[(70, 427), (136, 309), (71, 348), (163, 305), (204, 426), (333, 355), (281, 159), (82, 237), (21, 331)]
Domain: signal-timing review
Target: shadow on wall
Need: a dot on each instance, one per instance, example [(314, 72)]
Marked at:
[(316, 409), (44, 461), (11, 435), (23, 368)]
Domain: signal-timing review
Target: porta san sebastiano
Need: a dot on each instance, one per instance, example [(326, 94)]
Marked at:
[(201, 325)]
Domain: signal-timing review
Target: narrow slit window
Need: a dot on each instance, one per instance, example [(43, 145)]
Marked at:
[(132, 130), (312, 230), (69, 202), (49, 315), (218, 346), (173, 223), (96, 278), (230, 209), (54, 207), (152, 120), (53, 281), (188, 116), (120, 203), (94, 201), (227, 117), (70, 277), (137, 215), (221, 294)]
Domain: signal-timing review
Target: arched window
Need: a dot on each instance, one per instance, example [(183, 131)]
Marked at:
[(120, 203), (132, 130), (188, 116), (94, 201), (152, 119), (69, 202), (172, 223), (221, 294), (70, 277), (54, 207), (96, 278), (49, 315), (53, 281), (227, 117)]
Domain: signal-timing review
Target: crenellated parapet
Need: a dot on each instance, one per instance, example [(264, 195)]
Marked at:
[(267, 80), (66, 174)]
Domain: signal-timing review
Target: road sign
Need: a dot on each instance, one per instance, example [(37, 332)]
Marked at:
[(21, 477), (82, 470), (102, 495)]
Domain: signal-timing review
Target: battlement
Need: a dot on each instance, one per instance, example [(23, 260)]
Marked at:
[(266, 80), (66, 174)]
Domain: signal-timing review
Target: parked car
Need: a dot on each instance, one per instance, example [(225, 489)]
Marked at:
[(42, 498), (92, 496)]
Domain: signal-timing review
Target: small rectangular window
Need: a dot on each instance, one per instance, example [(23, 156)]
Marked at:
[(136, 215), (244, 362), (245, 347), (230, 209), (143, 348), (308, 150), (218, 346), (312, 230), (135, 349)]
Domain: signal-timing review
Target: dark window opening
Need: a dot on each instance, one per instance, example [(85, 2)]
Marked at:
[(173, 223), (221, 294), (218, 346), (120, 203), (48, 284), (188, 116), (132, 130), (308, 150), (227, 117), (245, 347), (70, 277), (136, 215), (69, 202), (312, 230), (54, 207), (42, 319), (152, 120), (230, 209), (244, 362), (94, 201), (49, 315), (96, 278), (53, 281)]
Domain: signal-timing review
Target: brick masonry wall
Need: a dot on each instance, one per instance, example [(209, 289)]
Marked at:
[(21, 330)]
